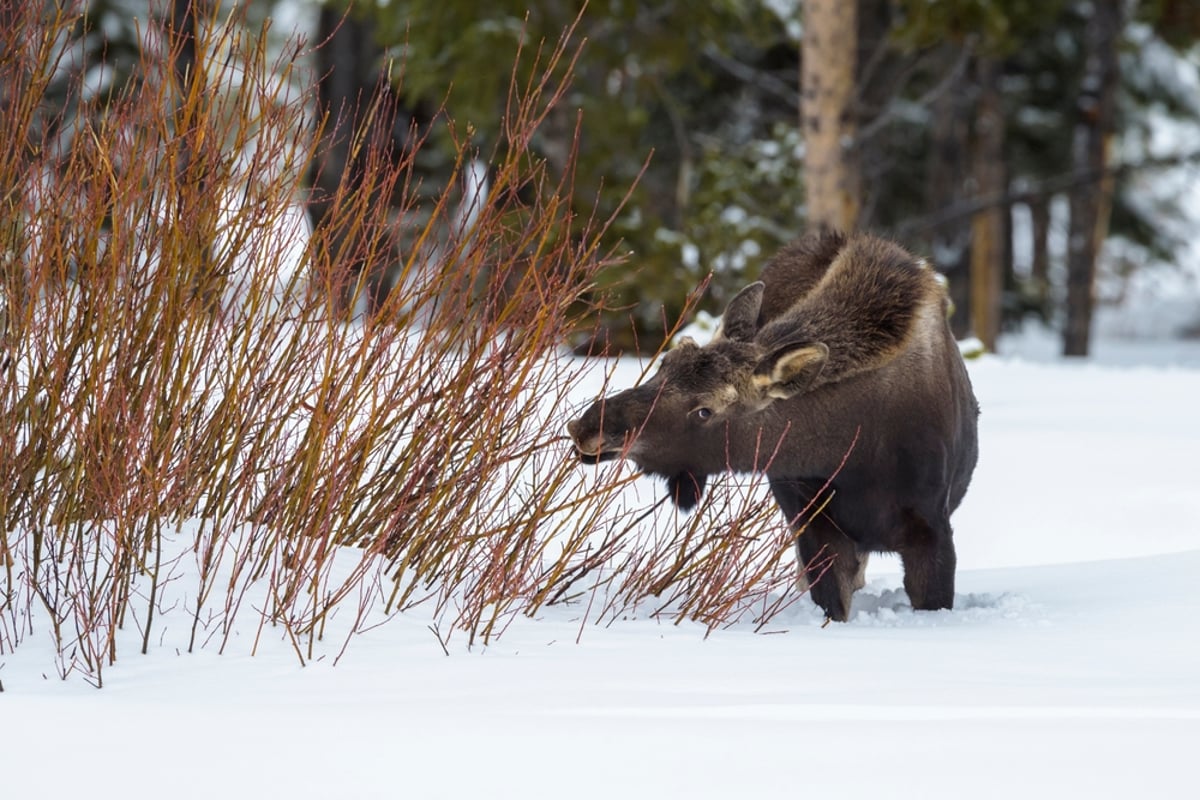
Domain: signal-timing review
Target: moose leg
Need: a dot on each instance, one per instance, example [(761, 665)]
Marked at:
[(830, 566), (857, 581), (929, 562)]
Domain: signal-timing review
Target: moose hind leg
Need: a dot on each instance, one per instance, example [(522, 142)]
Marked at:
[(929, 562)]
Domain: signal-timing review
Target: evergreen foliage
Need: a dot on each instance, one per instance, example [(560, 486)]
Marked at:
[(697, 105), (660, 81)]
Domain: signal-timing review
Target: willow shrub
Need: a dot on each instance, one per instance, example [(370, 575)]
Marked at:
[(191, 436)]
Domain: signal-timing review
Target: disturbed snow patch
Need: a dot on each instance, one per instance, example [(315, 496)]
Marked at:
[(880, 604)]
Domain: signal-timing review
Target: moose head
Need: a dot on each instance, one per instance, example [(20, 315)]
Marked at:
[(680, 424)]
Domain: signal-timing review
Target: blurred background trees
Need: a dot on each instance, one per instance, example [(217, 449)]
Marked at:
[(1017, 143)]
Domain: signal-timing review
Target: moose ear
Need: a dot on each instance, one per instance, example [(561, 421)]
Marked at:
[(791, 369), (740, 320)]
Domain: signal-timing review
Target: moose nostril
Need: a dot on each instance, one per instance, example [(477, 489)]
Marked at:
[(573, 428)]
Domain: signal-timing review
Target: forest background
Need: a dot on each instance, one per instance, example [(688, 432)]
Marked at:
[(1020, 145)]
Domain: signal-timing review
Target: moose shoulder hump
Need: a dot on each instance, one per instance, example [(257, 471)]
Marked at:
[(873, 302)]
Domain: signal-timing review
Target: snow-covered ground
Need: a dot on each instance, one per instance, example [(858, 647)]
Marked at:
[(1070, 666)]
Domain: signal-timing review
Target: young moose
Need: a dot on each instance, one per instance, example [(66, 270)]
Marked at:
[(840, 353)]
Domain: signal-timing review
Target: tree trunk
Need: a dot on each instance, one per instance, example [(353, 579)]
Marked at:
[(195, 214), (950, 242), (183, 41), (874, 94), (352, 94), (1090, 203), (988, 227), (827, 79), (1039, 214)]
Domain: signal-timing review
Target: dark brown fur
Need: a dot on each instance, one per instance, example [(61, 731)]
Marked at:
[(795, 270), (860, 353), (863, 305)]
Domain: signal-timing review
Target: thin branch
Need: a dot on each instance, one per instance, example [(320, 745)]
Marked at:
[(764, 81), (866, 72), (1047, 188), (931, 96)]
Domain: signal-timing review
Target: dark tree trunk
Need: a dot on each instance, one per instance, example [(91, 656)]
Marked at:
[(360, 119), (1039, 213), (1007, 260), (1095, 113), (195, 212), (949, 144), (874, 93), (183, 36), (988, 227)]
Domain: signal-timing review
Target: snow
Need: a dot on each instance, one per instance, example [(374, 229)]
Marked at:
[(1069, 667)]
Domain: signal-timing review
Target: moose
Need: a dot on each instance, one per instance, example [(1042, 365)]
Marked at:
[(837, 376)]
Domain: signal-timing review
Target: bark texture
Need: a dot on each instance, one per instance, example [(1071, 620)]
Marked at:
[(827, 78), (1090, 203), (361, 120), (949, 141), (989, 227)]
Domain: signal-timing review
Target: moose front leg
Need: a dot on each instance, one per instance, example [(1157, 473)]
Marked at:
[(830, 566), (929, 562)]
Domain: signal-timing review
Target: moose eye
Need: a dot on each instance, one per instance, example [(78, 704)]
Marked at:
[(702, 413)]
